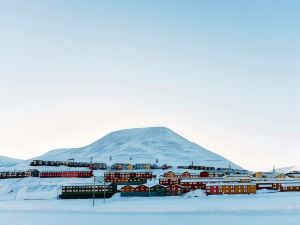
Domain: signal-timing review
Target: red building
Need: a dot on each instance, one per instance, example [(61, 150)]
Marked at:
[(193, 184), (169, 181), (213, 190), (141, 188), (175, 189), (187, 174), (117, 175), (66, 174)]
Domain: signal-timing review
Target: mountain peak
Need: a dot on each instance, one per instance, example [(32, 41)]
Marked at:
[(143, 145)]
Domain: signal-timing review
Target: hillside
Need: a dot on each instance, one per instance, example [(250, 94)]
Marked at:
[(6, 161), (142, 145)]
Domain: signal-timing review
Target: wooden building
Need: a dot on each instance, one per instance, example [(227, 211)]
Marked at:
[(169, 181), (143, 191), (158, 190), (66, 174), (19, 174), (290, 187), (88, 191), (94, 166), (193, 184), (98, 166), (258, 175), (135, 191), (187, 174), (230, 188), (121, 166), (116, 175), (128, 191), (276, 186), (126, 181), (175, 190), (142, 166), (169, 174), (207, 168)]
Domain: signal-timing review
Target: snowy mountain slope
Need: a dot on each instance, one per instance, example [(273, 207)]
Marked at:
[(142, 145), (6, 161), (287, 169), (36, 188)]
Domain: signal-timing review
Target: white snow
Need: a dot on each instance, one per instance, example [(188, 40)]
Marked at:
[(143, 145), (286, 170), (6, 161), (263, 208)]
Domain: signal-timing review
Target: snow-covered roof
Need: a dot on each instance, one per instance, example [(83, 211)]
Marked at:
[(203, 180), (294, 184), (230, 184)]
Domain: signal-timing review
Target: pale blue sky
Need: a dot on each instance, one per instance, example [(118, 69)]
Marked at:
[(224, 74)]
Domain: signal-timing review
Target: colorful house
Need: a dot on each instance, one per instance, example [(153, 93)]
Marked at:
[(193, 184), (158, 190), (166, 181), (122, 166), (142, 166), (175, 190), (128, 191), (230, 188), (290, 187)]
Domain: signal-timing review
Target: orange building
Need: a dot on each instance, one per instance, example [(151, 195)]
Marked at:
[(231, 188), (290, 187)]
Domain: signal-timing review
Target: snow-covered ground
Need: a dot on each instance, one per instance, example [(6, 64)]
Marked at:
[(6, 161), (263, 208)]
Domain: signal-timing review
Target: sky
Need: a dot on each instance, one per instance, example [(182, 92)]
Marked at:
[(223, 74)]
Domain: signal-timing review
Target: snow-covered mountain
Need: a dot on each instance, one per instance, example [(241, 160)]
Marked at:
[(6, 161), (142, 145), (287, 169)]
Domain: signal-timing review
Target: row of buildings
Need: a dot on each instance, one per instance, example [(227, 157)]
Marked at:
[(100, 166), (69, 163), (177, 190), (19, 174), (155, 190), (188, 174), (143, 190), (46, 174)]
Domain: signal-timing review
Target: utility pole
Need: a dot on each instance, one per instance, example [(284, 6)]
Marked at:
[(104, 191), (94, 191), (91, 163), (57, 192)]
